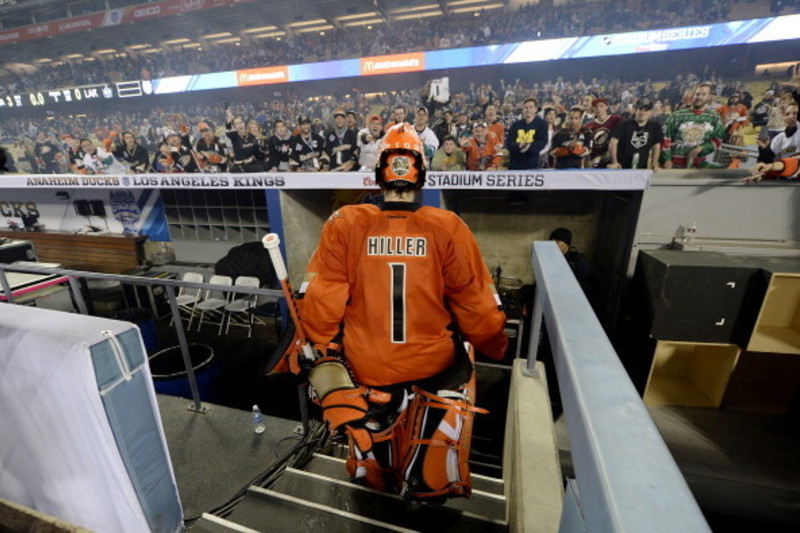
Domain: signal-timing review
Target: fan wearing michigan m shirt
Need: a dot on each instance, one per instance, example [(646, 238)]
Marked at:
[(526, 138)]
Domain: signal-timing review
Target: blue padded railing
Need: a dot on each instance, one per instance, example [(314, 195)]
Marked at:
[(625, 478)]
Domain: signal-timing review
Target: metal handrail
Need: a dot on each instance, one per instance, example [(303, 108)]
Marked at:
[(169, 287), (627, 480)]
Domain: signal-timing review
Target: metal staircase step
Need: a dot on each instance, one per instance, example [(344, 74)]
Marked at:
[(334, 467), (270, 511), (209, 523), (355, 498)]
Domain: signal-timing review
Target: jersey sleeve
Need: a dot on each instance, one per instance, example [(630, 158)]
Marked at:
[(326, 288), (471, 295)]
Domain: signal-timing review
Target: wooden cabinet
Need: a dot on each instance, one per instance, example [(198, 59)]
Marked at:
[(111, 253)]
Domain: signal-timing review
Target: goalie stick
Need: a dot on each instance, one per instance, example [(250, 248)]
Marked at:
[(272, 243)]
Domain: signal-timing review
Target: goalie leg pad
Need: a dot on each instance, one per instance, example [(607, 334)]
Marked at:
[(436, 444), (376, 468)]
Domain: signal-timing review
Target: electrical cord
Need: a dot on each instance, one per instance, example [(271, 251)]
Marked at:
[(297, 456)]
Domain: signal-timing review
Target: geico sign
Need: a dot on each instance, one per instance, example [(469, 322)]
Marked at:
[(146, 11)]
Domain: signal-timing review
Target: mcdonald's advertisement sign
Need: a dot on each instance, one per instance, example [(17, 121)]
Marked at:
[(262, 76), (392, 64)]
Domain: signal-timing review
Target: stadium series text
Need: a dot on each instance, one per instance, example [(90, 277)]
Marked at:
[(491, 179)]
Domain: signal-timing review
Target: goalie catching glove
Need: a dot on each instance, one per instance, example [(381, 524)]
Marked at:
[(343, 402)]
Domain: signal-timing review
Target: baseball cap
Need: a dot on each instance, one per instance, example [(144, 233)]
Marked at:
[(645, 107), (598, 100), (302, 119), (423, 109), (374, 117), (339, 113)]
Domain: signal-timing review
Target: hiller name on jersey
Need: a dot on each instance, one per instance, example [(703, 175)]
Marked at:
[(396, 246)]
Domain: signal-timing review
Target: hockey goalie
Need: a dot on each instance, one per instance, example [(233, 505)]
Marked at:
[(391, 294)]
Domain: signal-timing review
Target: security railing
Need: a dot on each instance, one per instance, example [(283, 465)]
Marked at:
[(75, 279), (625, 478)]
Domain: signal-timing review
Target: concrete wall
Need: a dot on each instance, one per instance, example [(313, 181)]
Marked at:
[(505, 223), (531, 469)]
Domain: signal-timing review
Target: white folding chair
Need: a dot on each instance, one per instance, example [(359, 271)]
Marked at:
[(188, 297), (243, 306), (215, 301)]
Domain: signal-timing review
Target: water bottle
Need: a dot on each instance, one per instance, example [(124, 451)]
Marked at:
[(258, 420), (691, 232)]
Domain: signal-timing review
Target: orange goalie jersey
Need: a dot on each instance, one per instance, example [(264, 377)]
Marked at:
[(397, 278)]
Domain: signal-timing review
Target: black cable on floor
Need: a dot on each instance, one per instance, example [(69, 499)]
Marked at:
[(297, 456)]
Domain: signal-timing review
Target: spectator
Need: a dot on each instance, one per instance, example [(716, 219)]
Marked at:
[(211, 154), (280, 147), (444, 125), (526, 138), (352, 121), (484, 151), (341, 145), (369, 139), (261, 142), (449, 156), (245, 145), (426, 135), (760, 111), (75, 154), (6, 162), (692, 135), (636, 143), (601, 128), (734, 114), (307, 149), (572, 144), (461, 128), (131, 154), (550, 118), (786, 143), (398, 116), (495, 124), (180, 146), (47, 154)]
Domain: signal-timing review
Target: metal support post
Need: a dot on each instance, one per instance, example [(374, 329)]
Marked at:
[(197, 406), (77, 296)]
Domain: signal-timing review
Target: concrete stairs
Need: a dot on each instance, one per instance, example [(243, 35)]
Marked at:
[(320, 497)]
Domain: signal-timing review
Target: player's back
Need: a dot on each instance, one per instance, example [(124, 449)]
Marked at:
[(396, 320)]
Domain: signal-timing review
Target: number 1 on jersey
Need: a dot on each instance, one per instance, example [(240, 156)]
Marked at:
[(398, 302)]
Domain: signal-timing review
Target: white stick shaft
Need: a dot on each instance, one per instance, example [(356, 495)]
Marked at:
[(272, 243)]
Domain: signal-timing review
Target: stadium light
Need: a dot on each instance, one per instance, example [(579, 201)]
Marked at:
[(414, 9), (177, 41), (315, 28), (217, 35), (306, 23), (436, 13), (277, 34), (358, 16), (477, 9), (363, 22), (261, 29)]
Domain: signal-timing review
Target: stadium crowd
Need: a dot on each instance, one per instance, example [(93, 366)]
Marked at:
[(600, 123), (533, 21)]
